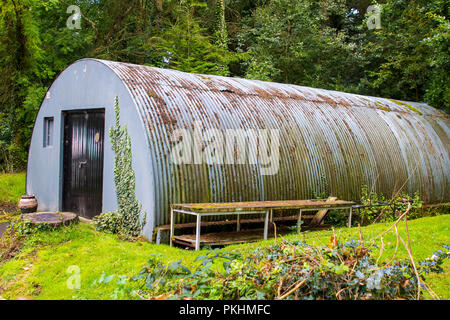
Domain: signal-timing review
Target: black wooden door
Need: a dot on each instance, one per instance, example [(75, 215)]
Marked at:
[(83, 162)]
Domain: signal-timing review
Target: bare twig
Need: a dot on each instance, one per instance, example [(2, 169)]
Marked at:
[(280, 286), (414, 267), (275, 231), (361, 239), (395, 223), (407, 246), (381, 250), (379, 216), (299, 284), (396, 193), (396, 247)]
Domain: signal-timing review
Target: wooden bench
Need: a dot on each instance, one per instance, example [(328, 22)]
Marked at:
[(265, 208)]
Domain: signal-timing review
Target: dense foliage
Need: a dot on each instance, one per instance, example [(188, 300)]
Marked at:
[(323, 44), (289, 270), (377, 208), (126, 221)]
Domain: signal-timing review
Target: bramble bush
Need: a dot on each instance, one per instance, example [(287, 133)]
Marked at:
[(289, 270)]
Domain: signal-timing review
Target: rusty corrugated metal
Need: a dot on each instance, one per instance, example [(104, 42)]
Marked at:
[(344, 139)]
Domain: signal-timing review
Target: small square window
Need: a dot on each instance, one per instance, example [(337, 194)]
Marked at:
[(48, 132)]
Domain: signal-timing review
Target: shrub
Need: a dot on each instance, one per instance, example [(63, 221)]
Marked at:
[(390, 212), (289, 270), (109, 222)]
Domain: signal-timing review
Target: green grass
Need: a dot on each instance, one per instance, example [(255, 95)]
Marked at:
[(12, 187), (40, 269)]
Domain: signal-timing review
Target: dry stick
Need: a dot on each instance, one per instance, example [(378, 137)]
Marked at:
[(335, 251), (275, 231), (395, 223), (374, 183), (279, 287), (381, 250), (397, 234), (414, 266), (318, 239), (431, 292), (372, 187), (293, 289), (396, 247), (380, 215), (396, 194), (338, 294), (408, 249), (407, 233), (353, 268), (288, 288), (409, 176), (361, 239)]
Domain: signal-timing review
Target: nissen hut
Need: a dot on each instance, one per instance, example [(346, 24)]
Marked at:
[(327, 141)]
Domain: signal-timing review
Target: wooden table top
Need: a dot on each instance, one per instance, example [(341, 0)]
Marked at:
[(262, 205)]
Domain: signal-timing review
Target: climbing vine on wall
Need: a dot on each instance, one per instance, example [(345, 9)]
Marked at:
[(126, 220)]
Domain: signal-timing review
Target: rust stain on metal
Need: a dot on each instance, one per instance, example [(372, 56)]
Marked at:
[(328, 140)]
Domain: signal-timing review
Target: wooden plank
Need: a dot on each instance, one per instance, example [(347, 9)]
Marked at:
[(229, 222), (234, 237), (261, 205), (226, 238), (320, 215)]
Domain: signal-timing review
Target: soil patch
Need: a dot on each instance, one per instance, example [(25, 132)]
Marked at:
[(3, 226), (7, 207)]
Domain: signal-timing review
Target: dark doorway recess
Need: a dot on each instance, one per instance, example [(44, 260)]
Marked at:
[(83, 162)]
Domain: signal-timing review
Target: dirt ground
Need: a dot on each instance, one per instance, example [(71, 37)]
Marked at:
[(5, 208), (3, 226)]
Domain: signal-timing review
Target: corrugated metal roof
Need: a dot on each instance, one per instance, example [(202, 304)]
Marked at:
[(329, 139)]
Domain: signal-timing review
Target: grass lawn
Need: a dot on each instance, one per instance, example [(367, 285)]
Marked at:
[(12, 187), (40, 269)]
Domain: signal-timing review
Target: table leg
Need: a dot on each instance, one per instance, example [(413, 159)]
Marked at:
[(299, 222), (350, 218), (266, 225), (197, 233), (238, 228), (171, 227)]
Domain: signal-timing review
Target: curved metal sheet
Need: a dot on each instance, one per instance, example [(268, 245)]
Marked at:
[(328, 139)]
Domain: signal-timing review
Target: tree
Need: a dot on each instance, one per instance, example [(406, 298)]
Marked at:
[(298, 42), (183, 44), (324, 44), (409, 58), (19, 51)]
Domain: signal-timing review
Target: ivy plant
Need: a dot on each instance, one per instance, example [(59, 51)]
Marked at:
[(126, 219)]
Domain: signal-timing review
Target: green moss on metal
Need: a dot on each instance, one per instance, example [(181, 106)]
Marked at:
[(410, 107), (382, 107)]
